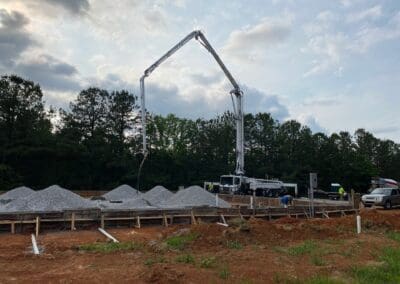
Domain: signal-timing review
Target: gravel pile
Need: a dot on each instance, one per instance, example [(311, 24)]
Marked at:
[(137, 203), (53, 198), (194, 196), (122, 192), (157, 195), (16, 193)]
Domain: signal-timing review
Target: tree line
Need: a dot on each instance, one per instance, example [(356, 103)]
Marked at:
[(95, 144)]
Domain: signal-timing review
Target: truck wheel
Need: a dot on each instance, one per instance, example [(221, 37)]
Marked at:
[(388, 204)]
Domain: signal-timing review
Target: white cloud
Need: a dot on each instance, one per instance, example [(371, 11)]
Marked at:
[(249, 43), (372, 13)]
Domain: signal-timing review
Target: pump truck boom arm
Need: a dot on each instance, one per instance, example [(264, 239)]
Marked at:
[(238, 107)]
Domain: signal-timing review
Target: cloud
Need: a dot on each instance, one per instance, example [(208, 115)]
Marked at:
[(49, 72), (205, 79), (329, 49), (13, 38), (250, 42), (372, 13), (311, 122), (257, 101), (75, 7), (386, 130)]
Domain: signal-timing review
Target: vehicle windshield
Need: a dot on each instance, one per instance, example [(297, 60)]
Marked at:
[(385, 191), (227, 180)]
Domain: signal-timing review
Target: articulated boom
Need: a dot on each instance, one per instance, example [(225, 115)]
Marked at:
[(238, 106)]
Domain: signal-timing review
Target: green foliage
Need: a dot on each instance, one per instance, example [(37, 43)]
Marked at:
[(320, 279), (234, 244), (307, 247), (207, 262), (394, 235), (93, 145), (110, 247), (185, 258), (388, 272), (152, 261), (224, 273), (180, 242)]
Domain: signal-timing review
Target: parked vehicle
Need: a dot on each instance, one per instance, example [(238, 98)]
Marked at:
[(386, 197), (236, 184)]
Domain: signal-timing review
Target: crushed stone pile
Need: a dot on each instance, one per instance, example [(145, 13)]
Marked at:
[(194, 196), (136, 203), (52, 198), (16, 193), (122, 192), (157, 195)]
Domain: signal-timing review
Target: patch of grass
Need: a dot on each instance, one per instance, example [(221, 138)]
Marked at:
[(110, 247), (241, 224), (305, 248), (185, 258), (279, 249), (317, 260), (234, 244), (321, 279), (395, 236), (180, 242), (151, 261), (224, 273), (388, 272), (207, 262)]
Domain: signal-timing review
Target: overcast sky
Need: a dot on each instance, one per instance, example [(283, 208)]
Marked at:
[(333, 65)]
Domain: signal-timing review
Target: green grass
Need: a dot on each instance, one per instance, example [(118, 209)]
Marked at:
[(224, 273), (180, 242), (395, 236), (234, 244), (320, 279), (151, 261), (388, 272), (207, 262), (185, 258), (110, 247), (317, 260), (305, 248)]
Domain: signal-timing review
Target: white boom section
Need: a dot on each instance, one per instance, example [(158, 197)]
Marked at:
[(238, 107)]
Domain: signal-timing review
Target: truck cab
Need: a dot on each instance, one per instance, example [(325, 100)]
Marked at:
[(232, 184)]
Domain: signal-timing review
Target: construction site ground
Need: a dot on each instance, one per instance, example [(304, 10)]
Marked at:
[(286, 250)]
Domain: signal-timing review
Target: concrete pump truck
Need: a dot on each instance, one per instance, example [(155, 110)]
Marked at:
[(236, 183)]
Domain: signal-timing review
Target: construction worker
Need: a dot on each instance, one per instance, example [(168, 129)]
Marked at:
[(341, 192), (210, 187), (286, 200)]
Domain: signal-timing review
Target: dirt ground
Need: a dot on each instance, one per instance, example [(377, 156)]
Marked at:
[(257, 251)]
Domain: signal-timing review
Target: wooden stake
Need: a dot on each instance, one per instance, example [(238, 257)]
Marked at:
[(193, 218), (165, 220), (37, 226), (138, 222), (73, 222), (12, 227), (102, 221)]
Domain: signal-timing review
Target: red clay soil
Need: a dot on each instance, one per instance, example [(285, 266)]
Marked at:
[(258, 254)]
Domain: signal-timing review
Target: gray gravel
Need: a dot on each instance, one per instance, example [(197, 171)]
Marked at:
[(194, 196), (16, 193), (157, 195), (122, 192), (137, 203), (53, 198)]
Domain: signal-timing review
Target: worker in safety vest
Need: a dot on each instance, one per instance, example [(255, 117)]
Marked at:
[(341, 192), (210, 187)]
